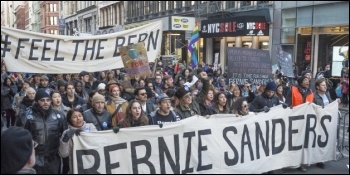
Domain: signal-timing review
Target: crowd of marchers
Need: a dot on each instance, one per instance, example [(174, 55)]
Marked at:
[(54, 107)]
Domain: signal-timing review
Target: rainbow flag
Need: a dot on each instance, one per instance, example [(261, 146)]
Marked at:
[(192, 46)]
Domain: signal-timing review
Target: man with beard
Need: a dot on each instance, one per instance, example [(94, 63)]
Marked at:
[(46, 126), (168, 83), (24, 106), (141, 96), (44, 84)]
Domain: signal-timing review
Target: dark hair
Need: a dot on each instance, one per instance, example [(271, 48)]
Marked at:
[(70, 114), (55, 91), (319, 81), (129, 118), (137, 90), (238, 103), (5, 80), (170, 92), (68, 83), (91, 94), (149, 92), (216, 99)]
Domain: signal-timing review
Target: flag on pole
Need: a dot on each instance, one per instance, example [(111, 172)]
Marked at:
[(192, 46)]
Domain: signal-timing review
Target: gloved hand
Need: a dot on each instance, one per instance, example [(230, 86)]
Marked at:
[(69, 134), (284, 105), (266, 109), (78, 131), (116, 129)]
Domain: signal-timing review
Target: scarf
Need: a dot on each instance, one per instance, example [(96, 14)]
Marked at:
[(117, 101)]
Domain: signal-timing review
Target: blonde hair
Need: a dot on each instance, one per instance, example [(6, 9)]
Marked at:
[(30, 89)]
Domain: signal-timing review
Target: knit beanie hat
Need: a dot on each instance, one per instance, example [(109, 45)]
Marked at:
[(44, 77), (101, 86), (182, 92), (16, 149), (61, 83), (41, 94), (305, 72), (271, 86), (111, 87), (301, 79), (98, 97)]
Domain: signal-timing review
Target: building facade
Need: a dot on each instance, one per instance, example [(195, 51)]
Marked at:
[(49, 17), (178, 22), (28, 8), (314, 32), (82, 17), (20, 17), (36, 22)]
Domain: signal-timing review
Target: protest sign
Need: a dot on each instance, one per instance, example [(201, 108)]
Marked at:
[(285, 63), (223, 143), (135, 60), (32, 52), (248, 65)]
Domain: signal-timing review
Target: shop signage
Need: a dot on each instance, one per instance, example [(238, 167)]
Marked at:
[(182, 23), (235, 26)]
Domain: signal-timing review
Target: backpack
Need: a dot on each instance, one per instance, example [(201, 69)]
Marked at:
[(338, 91)]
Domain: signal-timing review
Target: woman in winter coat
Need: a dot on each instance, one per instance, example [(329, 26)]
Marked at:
[(8, 91), (116, 105), (76, 124), (134, 116), (27, 103)]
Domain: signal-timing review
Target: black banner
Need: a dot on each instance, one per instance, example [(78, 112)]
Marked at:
[(248, 65), (235, 26)]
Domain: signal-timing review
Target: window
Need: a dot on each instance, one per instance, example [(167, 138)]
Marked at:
[(53, 21), (246, 3), (88, 25), (53, 7), (288, 35), (230, 4), (146, 8)]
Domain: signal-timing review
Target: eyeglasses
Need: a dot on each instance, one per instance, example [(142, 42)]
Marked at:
[(45, 100), (35, 144), (143, 94)]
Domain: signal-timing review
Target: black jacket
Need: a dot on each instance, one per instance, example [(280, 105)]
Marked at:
[(46, 130), (260, 101), (318, 99)]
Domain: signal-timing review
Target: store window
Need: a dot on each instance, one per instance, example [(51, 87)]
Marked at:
[(330, 51), (288, 26), (304, 49)]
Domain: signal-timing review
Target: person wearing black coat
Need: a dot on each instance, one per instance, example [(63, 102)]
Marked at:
[(46, 126), (8, 91), (266, 100)]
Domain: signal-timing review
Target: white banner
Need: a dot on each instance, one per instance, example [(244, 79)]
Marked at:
[(255, 144), (32, 52)]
